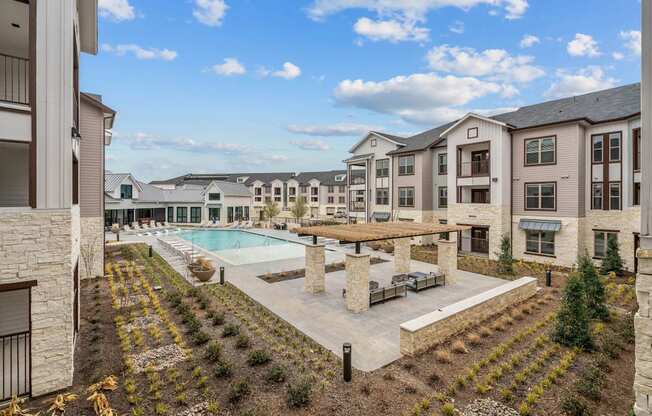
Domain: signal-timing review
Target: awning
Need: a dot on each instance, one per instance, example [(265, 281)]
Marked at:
[(381, 216), (540, 225)]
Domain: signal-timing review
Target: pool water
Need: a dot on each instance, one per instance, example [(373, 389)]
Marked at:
[(217, 240)]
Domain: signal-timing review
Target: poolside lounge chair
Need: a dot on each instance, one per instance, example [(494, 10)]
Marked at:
[(135, 226)]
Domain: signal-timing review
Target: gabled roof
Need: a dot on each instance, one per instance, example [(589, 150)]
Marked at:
[(230, 188), (397, 140), (113, 180), (96, 100), (324, 178), (423, 141), (468, 116)]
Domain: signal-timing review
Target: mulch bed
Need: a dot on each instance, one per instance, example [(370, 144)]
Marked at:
[(299, 273)]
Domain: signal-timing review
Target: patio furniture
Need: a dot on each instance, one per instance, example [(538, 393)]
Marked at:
[(373, 285), (387, 293), (399, 278), (419, 281)]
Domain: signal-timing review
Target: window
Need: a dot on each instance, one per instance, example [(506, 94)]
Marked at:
[(443, 197), (303, 189), (614, 147), (126, 191), (268, 189), (292, 191), (341, 200), (258, 191), (406, 165), (331, 200), (331, 189), (406, 196), (182, 214), (195, 215), (373, 142), (382, 196), (341, 189), (214, 196), (540, 151), (277, 191), (637, 194), (596, 196), (472, 133), (597, 149), (442, 160), (382, 168), (540, 242), (637, 149), (600, 240), (614, 196), (170, 214), (540, 196)]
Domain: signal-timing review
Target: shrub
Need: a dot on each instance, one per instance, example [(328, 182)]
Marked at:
[(193, 326), (242, 341), (590, 382), (473, 339), (612, 261), (572, 406), (625, 328), (277, 374), (230, 330), (201, 338), (183, 308), (610, 346), (505, 259), (593, 288), (258, 357), (214, 351), (222, 369), (485, 332), (572, 323), (299, 394), (217, 318), (174, 298), (459, 347), (443, 356), (448, 409), (239, 390)]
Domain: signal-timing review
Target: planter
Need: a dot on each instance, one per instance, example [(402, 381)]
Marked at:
[(204, 275)]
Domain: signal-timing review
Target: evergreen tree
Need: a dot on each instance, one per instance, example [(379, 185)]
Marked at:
[(612, 261), (572, 322), (505, 259), (594, 289)]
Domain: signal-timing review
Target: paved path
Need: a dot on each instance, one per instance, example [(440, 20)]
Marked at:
[(375, 334)]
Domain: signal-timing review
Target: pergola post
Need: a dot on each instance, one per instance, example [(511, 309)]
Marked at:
[(357, 282), (447, 259), (402, 255), (314, 281)]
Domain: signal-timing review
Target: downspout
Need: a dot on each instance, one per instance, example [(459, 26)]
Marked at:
[(511, 194)]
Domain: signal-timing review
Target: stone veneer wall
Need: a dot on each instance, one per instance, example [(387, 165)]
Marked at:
[(435, 327), (315, 280), (627, 222), (568, 243), (402, 255), (357, 282), (495, 217), (643, 325), (38, 245), (92, 234)]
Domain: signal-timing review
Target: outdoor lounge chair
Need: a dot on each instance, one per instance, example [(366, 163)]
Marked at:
[(387, 293), (420, 281), (135, 226), (126, 227)]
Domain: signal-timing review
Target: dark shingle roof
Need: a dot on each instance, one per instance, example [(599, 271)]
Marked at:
[(325, 177), (391, 137), (423, 140)]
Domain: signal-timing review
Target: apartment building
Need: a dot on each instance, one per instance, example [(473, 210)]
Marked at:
[(324, 192), (43, 123), (558, 178)]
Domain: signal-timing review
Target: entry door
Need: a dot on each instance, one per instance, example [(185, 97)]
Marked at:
[(480, 240), (15, 344), (214, 214), (480, 162)]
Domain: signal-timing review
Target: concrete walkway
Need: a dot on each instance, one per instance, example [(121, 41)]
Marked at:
[(374, 334)]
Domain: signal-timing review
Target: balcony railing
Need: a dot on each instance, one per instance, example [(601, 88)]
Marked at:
[(357, 207), (474, 245), (14, 79), (358, 180), (476, 168), (16, 371)]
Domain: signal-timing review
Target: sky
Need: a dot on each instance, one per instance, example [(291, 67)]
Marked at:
[(290, 85)]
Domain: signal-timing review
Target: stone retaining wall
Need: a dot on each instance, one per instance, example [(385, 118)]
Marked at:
[(435, 327)]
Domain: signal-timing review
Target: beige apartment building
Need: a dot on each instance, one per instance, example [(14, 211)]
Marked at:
[(558, 178), (51, 141)]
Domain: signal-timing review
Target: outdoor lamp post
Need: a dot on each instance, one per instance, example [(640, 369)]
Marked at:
[(346, 361)]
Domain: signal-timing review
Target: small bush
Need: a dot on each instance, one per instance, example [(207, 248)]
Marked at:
[(222, 369), (572, 327), (458, 347), (590, 383), (572, 406), (193, 326), (443, 356), (242, 342), (448, 409), (238, 391), (217, 318), (214, 351), (299, 394), (201, 338), (485, 332), (174, 298), (258, 357), (230, 330), (277, 374), (473, 339), (610, 346)]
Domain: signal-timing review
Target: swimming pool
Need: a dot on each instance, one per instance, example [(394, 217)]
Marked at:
[(219, 240)]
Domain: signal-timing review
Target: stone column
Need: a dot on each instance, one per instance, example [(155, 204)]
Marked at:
[(447, 259), (315, 269), (643, 325), (357, 282), (402, 255)]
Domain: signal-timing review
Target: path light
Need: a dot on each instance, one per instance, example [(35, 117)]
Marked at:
[(150, 251), (222, 275), (346, 361), (548, 277)]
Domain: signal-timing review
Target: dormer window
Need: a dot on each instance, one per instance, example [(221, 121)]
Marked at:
[(472, 133), (214, 196), (126, 191), (242, 179), (340, 178), (373, 143)]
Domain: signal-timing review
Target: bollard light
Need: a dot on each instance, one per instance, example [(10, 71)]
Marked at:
[(222, 275), (346, 361), (549, 278), (150, 251)]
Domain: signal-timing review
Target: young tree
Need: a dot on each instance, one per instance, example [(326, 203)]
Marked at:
[(505, 259), (593, 288), (300, 208), (271, 210), (612, 261), (572, 322)]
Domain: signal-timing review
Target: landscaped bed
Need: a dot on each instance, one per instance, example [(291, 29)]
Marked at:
[(178, 350), (299, 273)]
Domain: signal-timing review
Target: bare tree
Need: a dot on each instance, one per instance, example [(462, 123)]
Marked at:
[(300, 208), (88, 250)]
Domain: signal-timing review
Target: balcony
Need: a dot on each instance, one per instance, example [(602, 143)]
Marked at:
[(14, 79), (473, 169), (357, 206), (468, 195)]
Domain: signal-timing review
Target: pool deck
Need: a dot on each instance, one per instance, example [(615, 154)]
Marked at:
[(374, 334)]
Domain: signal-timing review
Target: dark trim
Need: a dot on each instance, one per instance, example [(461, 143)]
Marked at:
[(601, 230), (525, 208), (13, 141), (606, 162), (636, 136), (389, 163), (8, 287), (32, 100), (475, 131), (414, 196), (525, 164), (15, 110), (414, 165)]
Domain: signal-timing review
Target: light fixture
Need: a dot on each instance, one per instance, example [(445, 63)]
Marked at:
[(16, 25)]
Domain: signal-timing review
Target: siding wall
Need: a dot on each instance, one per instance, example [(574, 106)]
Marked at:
[(91, 165)]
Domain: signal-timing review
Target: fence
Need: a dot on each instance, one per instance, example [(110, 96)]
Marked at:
[(14, 79)]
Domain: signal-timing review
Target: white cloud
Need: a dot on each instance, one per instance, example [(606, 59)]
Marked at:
[(310, 144), (583, 45), (618, 56), (585, 80), (146, 141), (390, 30), (117, 10), (278, 158), (417, 97), (140, 52), (457, 27), (329, 130), (210, 12), (415, 10), (289, 71), (632, 40), (230, 67), (496, 64), (528, 41)]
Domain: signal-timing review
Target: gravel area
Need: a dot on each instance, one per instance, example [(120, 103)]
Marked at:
[(132, 300), (159, 358), (142, 322), (200, 409), (488, 407)]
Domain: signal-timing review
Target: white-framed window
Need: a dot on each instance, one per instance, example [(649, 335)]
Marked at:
[(443, 197), (540, 151), (331, 189), (406, 196), (540, 242), (373, 142), (382, 196), (540, 196), (600, 241), (406, 165), (597, 195), (472, 133), (442, 164), (382, 168), (331, 200), (614, 196)]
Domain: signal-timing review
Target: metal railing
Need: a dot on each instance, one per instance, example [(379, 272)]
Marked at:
[(14, 79), (473, 169), (357, 206), (15, 379), (474, 245)]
